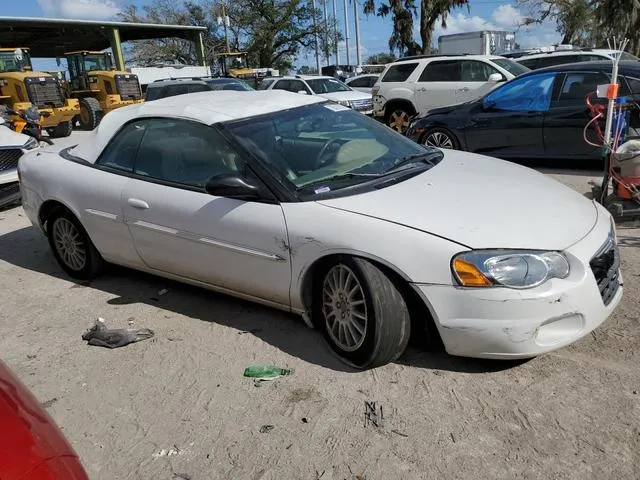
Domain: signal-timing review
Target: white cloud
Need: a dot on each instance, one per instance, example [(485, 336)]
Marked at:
[(86, 9), (507, 16)]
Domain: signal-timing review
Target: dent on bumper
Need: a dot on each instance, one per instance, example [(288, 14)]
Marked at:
[(508, 323)]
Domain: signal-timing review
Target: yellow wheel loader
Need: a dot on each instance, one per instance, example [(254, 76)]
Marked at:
[(21, 88), (234, 64), (98, 86)]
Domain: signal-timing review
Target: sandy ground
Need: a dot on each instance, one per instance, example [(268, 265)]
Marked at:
[(178, 407)]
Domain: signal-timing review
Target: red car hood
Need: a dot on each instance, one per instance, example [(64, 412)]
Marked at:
[(31, 446)]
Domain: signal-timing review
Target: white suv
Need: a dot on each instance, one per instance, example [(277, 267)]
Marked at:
[(327, 87), (561, 57), (417, 84)]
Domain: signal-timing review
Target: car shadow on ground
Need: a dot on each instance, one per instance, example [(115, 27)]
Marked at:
[(28, 248)]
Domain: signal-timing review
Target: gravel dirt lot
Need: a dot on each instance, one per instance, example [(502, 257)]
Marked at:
[(178, 407)]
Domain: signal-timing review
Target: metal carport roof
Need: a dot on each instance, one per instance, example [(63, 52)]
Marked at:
[(52, 37)]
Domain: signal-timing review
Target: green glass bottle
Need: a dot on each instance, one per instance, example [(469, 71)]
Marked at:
[(266, 371)]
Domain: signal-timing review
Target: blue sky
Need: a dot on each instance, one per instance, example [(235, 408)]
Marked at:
[(374, 31)]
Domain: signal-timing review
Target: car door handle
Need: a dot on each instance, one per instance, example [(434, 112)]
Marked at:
[(464, 89), (421, 90), (135, 203)]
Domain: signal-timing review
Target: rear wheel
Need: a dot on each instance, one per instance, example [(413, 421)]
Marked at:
[(63, 129), (363, 315), (440, 138), (398, 118), (90, 113), (72, 246)]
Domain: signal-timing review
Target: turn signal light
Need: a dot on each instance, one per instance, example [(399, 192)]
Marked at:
[(469, 275)]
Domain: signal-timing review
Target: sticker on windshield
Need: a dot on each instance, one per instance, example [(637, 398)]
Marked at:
[(336, 107), (324, 189)]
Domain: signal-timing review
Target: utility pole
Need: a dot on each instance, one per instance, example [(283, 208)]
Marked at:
[(225, 21), (357, 19), (346, 29), (335, 25), (326, 33), (315, 35)]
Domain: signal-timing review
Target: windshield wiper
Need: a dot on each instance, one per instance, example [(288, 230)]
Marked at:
[(414, 158), (330, 180)]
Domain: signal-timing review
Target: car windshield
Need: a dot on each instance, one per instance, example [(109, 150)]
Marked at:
[(629, 57), (327, 85), (510, 66), (229, 85), (97, 61), (326, 147)]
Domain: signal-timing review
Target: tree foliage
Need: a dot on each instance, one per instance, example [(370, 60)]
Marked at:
[(380, 59), (403, 12), (273, 32)]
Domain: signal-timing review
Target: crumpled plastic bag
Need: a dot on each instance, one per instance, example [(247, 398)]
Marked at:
[(101, 336)]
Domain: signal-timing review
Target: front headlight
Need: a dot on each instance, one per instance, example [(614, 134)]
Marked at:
[(512, 269), (345, 103), (31, 144)]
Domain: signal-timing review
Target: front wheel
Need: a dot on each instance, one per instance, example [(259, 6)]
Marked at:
[(90, 113), (440, 138), (398, 119), (63, 129), (72, 246), (364, 317)]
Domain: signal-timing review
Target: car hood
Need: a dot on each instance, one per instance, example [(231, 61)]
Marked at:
[(11, 139), (481, 202), (350, 95), (445, 110)]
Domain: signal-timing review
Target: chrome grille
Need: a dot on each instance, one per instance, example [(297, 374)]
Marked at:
[(128, 87), (361, 105), (605, 266), (9, 158), (44, 92)]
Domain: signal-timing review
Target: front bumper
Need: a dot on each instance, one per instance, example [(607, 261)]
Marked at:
[(113, 102), (507, 323), (378, 105)]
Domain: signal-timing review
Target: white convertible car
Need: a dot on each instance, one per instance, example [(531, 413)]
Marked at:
[(305, 205)]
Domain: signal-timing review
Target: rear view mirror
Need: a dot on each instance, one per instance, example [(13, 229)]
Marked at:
[(496, 77), (232, 186), (302, 92), (488, 105)]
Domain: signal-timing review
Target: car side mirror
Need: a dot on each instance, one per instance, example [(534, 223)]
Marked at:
[(232, 186), (488, 105), (496, 77), (302, 92)]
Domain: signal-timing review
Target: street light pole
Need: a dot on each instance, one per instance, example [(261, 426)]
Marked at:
[(225, 21), (335, 19), (356, 14), (346, 30), (326, 32)]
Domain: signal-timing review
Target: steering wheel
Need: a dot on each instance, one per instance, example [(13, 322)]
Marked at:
[(335, 143)]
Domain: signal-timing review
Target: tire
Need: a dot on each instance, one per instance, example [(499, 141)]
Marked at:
[(63, 227), (374, 325), (397, 118), (90, 113), (63, 129), (440, 138)]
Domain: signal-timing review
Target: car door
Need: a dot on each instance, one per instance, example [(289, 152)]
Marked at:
[(568, 115), (474, 80), (436, 85), (100, 195), (508, 122), (178, 228)]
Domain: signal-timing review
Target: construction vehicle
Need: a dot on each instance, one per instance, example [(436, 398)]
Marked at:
[(234, 64), (98, 86), (21, 89)]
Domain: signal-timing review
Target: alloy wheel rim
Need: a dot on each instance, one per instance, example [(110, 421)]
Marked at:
[(399, 121), (69, 244), (439, 140), (344, 308)]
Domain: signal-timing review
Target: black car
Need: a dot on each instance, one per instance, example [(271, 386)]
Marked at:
[(179, 86), (538, 114)]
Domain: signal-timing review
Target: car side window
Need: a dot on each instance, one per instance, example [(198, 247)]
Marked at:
[(475, 71), (531, 63), (359, 82), (120, 153), (577, 86), (173, 90), (185, 153), (296, 85), (629, 86), (282, 85), (264, 85), (198, 87), (531, 94), (399, 72), (153, 93), (441, 71)]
